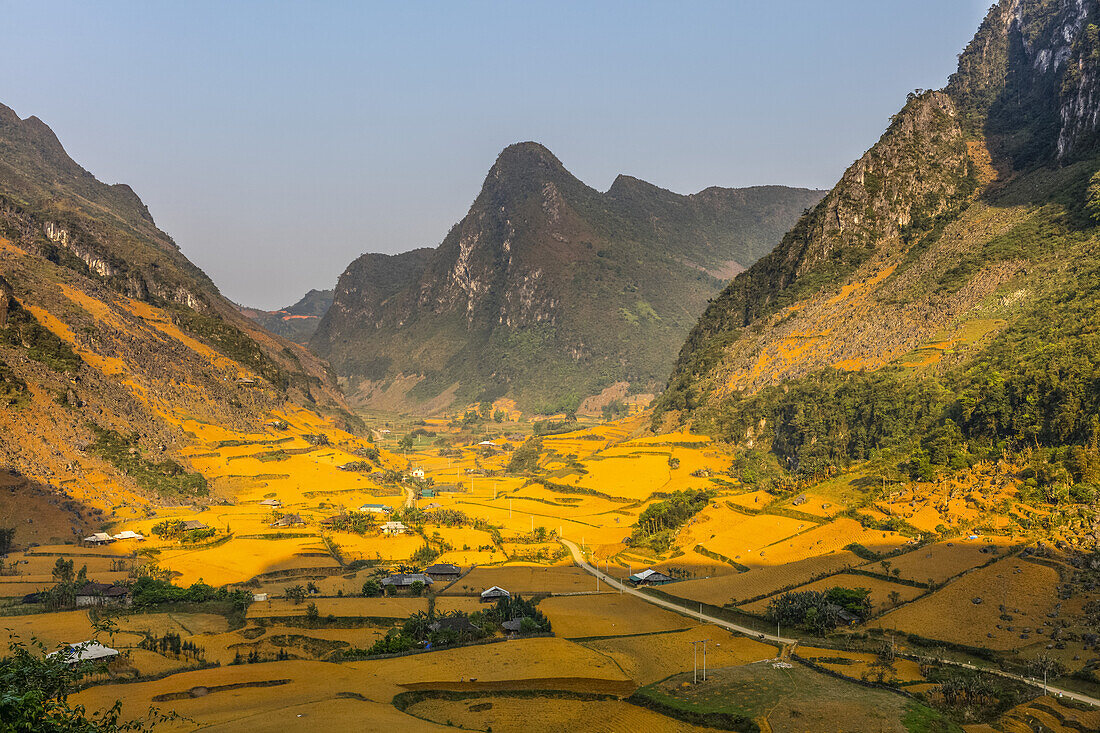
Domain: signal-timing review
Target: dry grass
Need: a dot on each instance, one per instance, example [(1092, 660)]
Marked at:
[(943, 560)]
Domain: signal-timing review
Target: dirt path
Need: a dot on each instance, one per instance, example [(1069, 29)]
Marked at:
[(786, 643)]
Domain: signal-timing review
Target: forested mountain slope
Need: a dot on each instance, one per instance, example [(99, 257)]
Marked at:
[(547, 291), (296, 322), (942, 298)]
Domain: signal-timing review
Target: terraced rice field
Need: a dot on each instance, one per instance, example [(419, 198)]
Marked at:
[(653, 657), (526, 580), (762, 581), (880, 591), (748, 539), (607, 614), (943, 560), (823, 539), (857, 664), (966, 611)]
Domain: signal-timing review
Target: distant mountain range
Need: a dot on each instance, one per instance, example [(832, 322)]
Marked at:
[(296, 322), (548, 291)]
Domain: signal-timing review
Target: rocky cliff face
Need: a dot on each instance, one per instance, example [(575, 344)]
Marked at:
[(547, 290), (940, 230)]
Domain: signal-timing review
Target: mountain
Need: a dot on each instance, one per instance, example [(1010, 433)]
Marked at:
[(114, 348), (547, 291), (296, 322), (939, 304)]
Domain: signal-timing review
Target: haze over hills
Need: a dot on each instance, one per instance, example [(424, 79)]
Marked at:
[(111, 340), (548, 291), (945, 290), (296, 322)]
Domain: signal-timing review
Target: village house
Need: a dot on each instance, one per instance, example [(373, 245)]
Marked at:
[(288, 520), (404, 581), (650, 577), (102, 594), (394, 528), (99, 538), (333, 520), (128, 535), (490, 595), (443, 571), (193, 524), (271, 502), (375, 509), (88, 651), (418, 473)]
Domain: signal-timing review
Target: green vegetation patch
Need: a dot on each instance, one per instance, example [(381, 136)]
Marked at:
[(22, 331), (166, 478)]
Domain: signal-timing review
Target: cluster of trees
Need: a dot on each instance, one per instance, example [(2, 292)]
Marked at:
[(67, 581), (657, 525), (172, 529), (818, 611), (516, 606), (357, 522), (149, 592), (24, 332), (525, 459), (254, 657), (456, 627), (172, 642)]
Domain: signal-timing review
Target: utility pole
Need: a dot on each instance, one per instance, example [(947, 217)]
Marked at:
[(705, 660)]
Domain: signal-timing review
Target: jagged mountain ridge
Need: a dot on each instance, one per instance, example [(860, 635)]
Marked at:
[(933, 266), (108, 333), (547, 290)]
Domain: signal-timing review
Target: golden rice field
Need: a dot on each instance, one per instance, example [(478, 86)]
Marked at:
[(823, 539), (880, 591), (747, 542), (607, 614), (1026, 589), (653, 657), (762, 581), (940, 561), (525, 579), (753, 500), (631, 477), (52, 629)]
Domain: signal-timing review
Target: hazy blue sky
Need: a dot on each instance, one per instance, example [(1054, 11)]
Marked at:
[(278, 141)]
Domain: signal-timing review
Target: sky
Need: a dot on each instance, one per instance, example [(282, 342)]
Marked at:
[(277, 141)]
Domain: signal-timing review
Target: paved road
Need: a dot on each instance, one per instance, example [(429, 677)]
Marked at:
[(578, 558)]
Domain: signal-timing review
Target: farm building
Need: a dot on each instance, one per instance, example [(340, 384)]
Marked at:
[(433, 505), (335, 519), (404, 581), (427, 493), (443, 571), (88, 651), (491, 594), (375, 509), (393, 528), (192, 524), (99, 538), (271, 502), (128, 535), (102, 594), (650, 577), (799, 500), (418, 473), (259, 597), (288, 520)]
